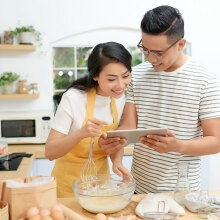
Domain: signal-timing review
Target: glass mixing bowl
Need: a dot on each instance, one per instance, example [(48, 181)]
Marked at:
[(104, 194)]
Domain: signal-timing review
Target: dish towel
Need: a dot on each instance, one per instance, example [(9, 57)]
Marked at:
[(153, 202)]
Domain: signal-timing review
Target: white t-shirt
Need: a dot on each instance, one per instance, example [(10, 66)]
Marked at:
[(177, 100), (71, 111)]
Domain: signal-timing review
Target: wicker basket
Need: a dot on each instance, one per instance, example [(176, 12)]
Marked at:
[(4, 210)]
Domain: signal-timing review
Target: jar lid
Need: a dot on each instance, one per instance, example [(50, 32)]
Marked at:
[(22, 81)]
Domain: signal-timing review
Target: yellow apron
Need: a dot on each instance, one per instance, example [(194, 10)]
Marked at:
[(67, 168)]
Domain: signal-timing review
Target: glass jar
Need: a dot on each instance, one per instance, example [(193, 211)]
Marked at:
[(22, 87), (8, 38), (214, 216), (203, 198), (182, 186), (33, 88)]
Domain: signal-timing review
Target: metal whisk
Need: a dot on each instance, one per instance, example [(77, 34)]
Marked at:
[(89, 170)]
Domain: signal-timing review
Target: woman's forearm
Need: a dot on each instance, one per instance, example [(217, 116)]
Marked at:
[(117, 156), (59, 144)]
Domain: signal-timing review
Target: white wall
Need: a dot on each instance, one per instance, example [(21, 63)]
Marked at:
[(59, 19)]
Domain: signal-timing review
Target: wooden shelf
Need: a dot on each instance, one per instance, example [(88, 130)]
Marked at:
[(19, 96), (17, 47)]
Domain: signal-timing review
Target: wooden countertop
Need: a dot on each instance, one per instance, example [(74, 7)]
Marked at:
[(130, 209), (25, 167)]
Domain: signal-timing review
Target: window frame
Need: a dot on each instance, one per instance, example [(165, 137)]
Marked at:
[(76, 68)]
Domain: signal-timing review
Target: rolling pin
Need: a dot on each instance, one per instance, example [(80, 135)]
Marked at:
[(71, 214)]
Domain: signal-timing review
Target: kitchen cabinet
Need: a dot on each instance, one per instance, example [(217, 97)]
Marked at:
[(42, 167)]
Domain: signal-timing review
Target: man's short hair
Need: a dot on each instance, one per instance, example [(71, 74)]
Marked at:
[(164, 20)]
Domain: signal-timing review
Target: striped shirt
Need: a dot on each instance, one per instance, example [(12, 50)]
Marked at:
[(178, 101)]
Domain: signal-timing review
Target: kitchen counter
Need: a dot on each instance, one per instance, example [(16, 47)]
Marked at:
[(74, 205), (26, 165)]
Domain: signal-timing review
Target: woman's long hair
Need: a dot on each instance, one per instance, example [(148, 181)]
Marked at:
[(102, 55)]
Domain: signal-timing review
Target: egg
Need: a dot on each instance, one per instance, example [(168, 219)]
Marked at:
[(35, 217), (100, 216), (56, 207), (32, 211), (44, 212), (57, 215)]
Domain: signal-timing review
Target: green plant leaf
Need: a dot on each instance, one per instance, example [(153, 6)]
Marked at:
[(9, 77)]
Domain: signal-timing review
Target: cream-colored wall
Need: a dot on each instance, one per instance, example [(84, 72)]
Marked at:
[(65, 19)]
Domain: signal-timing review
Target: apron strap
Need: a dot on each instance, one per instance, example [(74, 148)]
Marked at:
[(90, 104), (114, 111)]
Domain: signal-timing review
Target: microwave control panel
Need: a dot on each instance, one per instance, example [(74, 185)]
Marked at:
[(46, 120)]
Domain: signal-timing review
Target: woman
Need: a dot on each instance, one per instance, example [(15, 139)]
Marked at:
[(90, 106)]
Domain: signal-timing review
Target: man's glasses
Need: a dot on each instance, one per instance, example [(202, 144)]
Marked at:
[(157, 54)]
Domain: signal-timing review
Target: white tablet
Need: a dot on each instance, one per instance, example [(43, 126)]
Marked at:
[(134, 135)]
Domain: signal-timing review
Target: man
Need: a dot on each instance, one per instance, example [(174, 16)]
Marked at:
[(173, 91)]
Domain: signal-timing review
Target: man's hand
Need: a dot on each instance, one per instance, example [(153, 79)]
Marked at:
[(111, 145), (162, 144)]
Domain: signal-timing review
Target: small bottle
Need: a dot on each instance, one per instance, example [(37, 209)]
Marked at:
[(33, 88), (22, 87), (8, 38), (182, 185), (3, 146)]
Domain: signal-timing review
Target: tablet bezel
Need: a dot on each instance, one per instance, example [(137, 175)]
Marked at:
[(133, 135)]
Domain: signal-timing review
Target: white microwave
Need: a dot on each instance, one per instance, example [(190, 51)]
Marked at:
[(25, 127)]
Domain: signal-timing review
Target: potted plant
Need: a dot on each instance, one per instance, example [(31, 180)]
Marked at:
[(7, 79), (2, 83), (27, 34)]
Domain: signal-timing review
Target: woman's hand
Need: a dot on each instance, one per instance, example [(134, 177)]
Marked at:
[(120, 170), (92, 128), (111, 145)]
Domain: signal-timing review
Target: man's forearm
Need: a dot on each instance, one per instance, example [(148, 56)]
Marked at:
[(198, 147), (129, 117)]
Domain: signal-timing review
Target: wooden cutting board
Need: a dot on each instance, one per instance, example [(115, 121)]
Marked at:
[(75, 206)]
